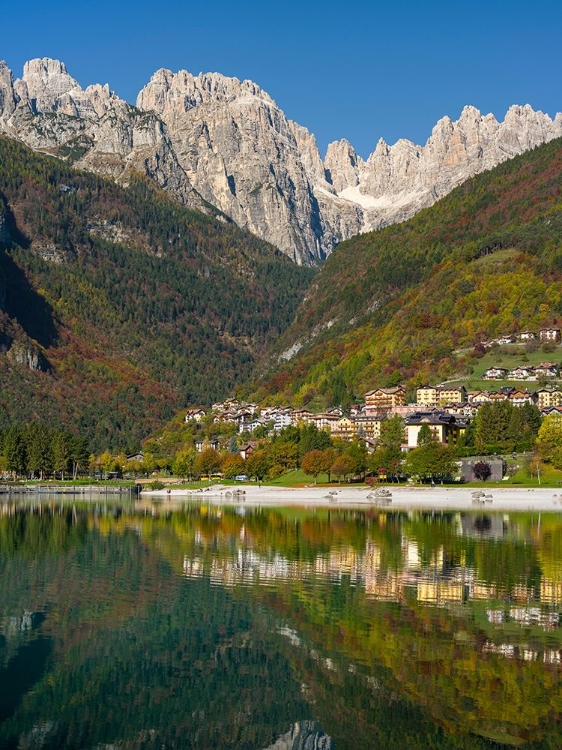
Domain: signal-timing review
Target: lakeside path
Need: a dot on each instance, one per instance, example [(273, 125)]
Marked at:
[(438, 497)]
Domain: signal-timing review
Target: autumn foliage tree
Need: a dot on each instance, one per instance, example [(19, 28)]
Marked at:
[(314, 463), (343, 466)]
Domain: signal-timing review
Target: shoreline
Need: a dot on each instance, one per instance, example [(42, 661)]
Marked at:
[(438, 497)]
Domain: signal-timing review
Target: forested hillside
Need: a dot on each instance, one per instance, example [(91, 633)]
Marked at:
[(117, 306), (409, 302)]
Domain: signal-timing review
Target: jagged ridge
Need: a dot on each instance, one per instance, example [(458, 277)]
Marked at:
[(209, 139)]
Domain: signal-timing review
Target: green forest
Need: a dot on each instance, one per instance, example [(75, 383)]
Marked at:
[(126, 304)]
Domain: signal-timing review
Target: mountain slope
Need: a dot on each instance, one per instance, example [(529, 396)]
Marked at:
[(398, 303), (118, 306), (210, 139)]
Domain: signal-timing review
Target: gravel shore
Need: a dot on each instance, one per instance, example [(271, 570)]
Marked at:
[(438, 497)]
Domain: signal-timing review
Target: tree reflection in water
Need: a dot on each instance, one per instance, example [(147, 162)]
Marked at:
[(206, 627)]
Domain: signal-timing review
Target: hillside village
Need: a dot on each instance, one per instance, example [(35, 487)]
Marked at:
[(446, 409)]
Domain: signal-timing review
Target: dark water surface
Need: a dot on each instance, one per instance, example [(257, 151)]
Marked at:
[(208, 627)]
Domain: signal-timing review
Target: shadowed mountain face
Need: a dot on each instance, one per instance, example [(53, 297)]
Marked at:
[(118, 306), (210, 139)]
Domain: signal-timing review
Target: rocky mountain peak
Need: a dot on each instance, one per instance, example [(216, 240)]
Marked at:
[(92, 128), (170, 90), (7, 96), (342, 164), (225, 140), (45, 81)]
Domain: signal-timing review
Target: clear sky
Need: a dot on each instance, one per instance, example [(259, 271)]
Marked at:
[(359, 70)]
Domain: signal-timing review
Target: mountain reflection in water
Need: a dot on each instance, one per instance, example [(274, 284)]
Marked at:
[(209, 627)]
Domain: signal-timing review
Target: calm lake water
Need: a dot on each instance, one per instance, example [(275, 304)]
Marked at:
[(209, 627)]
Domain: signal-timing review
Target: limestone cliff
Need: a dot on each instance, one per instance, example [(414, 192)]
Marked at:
[(92, 128), (395, 182), (209, 139)]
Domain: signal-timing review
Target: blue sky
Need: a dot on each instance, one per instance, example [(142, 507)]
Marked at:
[(359, 70)]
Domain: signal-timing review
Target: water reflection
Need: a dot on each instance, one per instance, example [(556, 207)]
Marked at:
[(219, 627)]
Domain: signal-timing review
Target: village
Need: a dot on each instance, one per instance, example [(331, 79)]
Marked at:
[(445, 408)]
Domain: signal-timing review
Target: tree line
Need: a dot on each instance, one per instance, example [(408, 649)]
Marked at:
[(35, 451)]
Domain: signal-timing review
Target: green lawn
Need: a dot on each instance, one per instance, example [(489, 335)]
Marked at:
[(498, 256)]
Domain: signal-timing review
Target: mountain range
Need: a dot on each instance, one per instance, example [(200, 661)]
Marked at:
[(223, 146)]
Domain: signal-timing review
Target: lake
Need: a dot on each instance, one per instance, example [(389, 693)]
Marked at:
[(124, 626)]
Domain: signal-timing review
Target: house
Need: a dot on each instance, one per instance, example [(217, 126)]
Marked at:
[(225, 405), (445, 427), (478, 397), (195, 415), (522, 373), (546, 411), (495, 396), (547, 397), (385, 398), (356, 409), (460, 410), (505, 340), (495, 373), (426, 395), (345, 428), (281, 419), (247, 449), (367, 427), (549, 334), (451, 394), (335, 410), (518, 398), (527, 336), (200, 445), (300, 415), (135, 456), (250, 426), (324, 421), (546, 370)]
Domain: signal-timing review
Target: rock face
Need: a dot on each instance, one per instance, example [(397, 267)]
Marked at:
[(397, 181), (29, 356), (92, 128), (244, 156), (303, 735), (226, 141)]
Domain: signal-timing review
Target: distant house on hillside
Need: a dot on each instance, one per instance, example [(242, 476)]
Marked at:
[(494, 373), (547, 397), (478, 397), (385, 398), (214, 444), (527, 336), (505, 340), (426, 395), (250, 426), (518, 398), (247, 449), (522, 373), (546, 370), (194, 414), (451, 394), (549, 334)]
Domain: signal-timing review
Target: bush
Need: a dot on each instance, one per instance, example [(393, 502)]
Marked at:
[(156, 485), (482, 470)]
